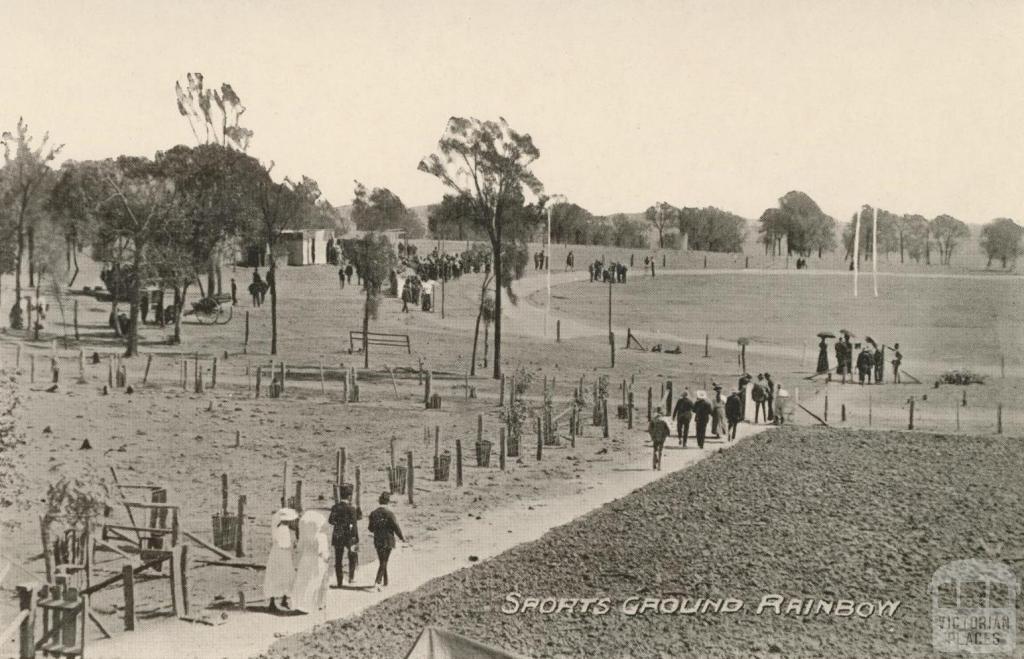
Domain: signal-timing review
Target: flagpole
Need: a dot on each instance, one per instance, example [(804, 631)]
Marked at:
[(874, 252), (856, 250)]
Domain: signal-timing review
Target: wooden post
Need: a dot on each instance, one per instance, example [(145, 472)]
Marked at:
[(957, 409), (611, 342), (999, 419), (177, 595), (323, 387), (149, 362), (128, 582), (32, 361), (44, 530), (458, 462), (184, 374), (629, 411), (826, 408), (76, 320), (965, 398), (501, 448), (437, 440), (245, 344), (1002, 366), (705, 262), (707, 341), (479, 428), (501, 394), (558, 331), (392, 451), (572, 428), (409, 479), (339, 467), (259, 380), (285, 484), (870, 409), (359, 487), (540, 440), (426, 389), (344, 389), (842, 412), (650, 400), (26, 631), (238, 438), (224, 494), (213, 375), (298, 495), (240, 546), (910, 425), (284, 375), (604, 407)]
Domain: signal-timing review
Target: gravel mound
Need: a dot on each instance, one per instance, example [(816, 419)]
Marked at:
[(819, 514)]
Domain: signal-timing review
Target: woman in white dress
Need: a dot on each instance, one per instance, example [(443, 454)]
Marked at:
[(311, 577), (280, 573)]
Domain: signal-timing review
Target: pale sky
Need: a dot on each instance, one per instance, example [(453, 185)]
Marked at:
[(914, 106)]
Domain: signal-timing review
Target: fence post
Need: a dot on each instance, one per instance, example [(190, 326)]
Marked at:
[(650, 398), (604, 411), (245, 344), (910, 425), (558, 331), (957, 408), (540, 441), (842, 412), (458, 463), (501, 448), (409, 480), (999, 419), (707, 341), (826, 408), (26, 632), (426, 390), (501, 395), (629, 411), (128, 581), (213, 375)]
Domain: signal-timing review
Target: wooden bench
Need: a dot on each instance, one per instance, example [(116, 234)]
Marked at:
[(379, 339)]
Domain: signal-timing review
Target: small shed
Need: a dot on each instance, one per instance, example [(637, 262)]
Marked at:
[(307, 246)]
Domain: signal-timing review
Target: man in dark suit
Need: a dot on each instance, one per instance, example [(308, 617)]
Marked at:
[(384, 528), (345, 535), (701, 415), (733, 413), (682, 414)]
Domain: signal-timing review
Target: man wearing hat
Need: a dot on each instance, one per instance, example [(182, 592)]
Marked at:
[(384, 528), (345, 535), (865, 364), (659, 430), (682, 414), (897, 359), (701, 415), (733, 413)]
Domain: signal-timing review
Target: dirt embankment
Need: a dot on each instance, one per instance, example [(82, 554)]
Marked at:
[(807, 514)]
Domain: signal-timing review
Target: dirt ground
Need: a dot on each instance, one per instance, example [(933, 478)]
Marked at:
[(166, 435), (801, 513)]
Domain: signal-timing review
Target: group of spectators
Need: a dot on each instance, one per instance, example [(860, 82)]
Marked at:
[(870, 360), (612, 272)]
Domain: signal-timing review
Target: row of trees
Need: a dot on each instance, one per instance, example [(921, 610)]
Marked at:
[(707, 229), (162, 221)]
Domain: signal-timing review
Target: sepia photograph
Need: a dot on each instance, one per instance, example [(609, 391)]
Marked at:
[(478, 329)]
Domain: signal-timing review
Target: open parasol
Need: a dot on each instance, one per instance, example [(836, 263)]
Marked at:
[(826, 335), (848, 333), (871, 341)]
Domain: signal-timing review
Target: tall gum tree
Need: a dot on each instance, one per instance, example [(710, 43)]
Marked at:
[(488, 163)]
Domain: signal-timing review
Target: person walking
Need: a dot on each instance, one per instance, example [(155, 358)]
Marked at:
[(349, 271), (345, 536), (659, 430), (733, 413), (897, 359), (234, 293), (682, 413), (280, 573), (311, 574), (769, 389), (384, 528), (701, 415), (718, 424), (256, 288), (406, 294), (760, 397), (341, 277), (879, 364)]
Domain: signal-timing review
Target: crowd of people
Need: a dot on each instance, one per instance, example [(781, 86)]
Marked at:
[(611, 272), (297, 575), (869, 361), (723, 413)]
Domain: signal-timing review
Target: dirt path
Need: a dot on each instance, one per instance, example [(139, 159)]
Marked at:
[(246, 634)]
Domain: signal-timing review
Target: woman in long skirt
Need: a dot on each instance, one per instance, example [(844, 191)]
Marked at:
[(280, 574), (314, 551), (822, 356)]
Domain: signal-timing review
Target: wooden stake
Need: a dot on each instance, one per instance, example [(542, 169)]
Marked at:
[(501, 394), (213, 375), (605, 411), (128, 582), (458, 463), (238, 438), (842, 412), (224, 494), (285, 483), (284, 375), (149, 362), (826, 408), (259, 380), (650, 400), (76, 320), (392, 451), (558, 331), (999, 419), (323, 388), (32, 361), (359, 487), (629, 411), (957, 409), (409, 475), (426, 389), (239, 541), (707, 344), (540, 441), (479, 428), (910, 425), (501, 448), (245, 344)]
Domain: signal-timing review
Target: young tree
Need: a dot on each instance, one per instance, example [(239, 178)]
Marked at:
[(1001, 239), (916, 236), (662, 216), (281, 207), (488, 163), (948, 232), (27, 172), (374, 258)]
